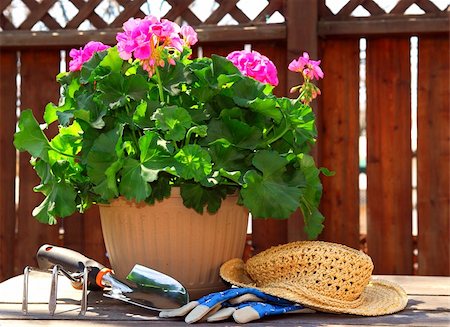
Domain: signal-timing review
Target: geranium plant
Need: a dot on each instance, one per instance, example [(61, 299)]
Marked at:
[(141, 117)]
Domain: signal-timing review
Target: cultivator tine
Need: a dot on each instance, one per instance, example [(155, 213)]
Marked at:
[(84, 294), (77, 280), (53, 291), (26, 273)]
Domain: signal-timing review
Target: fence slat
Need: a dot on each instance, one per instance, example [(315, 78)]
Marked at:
[(338, 130), (389, 203), (8, 70), (38, 86), (433, 156), (220, 48)]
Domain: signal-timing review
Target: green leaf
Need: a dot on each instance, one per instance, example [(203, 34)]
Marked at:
[(245, 91), (222, 65), (201, 130), (310, 197), (112, 90), (134, 180), (173, 76), (271, 192), (50, 113), (43, 170), (229, 157), (90, 66), (155, 156), (174, 121), (90, 110), (267, 107), (107, 187), (327, 172), (72, 87), (142, 116), (112, 60), (234, 176), (67, 141), (104, 161), (136, 87), (161, 188), (153, 148), (235, 131), (64, 117), (60, 202), (313, 187), (301, 123), (197, 197), (30, 137), (313, 222), (193, 162)]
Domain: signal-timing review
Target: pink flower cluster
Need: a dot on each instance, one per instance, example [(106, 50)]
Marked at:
[(80, 56), (145, 39), (255, 65), (309, 68)]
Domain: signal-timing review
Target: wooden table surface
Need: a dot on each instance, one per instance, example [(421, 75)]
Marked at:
[(428, 305)]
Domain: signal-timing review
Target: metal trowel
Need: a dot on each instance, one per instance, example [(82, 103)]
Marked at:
[(145, 287)]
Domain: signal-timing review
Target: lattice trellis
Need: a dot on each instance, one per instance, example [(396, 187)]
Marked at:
[(372, 8), (100, 14)]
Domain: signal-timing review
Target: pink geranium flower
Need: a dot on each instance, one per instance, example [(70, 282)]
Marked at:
[(309, 68), (255, 65), (189, 35), (80, 56), (135, 39), (167, 34), (146, 39)]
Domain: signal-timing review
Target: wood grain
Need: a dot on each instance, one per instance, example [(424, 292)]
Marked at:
[(8, 71), (428, 310), (338, 135), (389, 190), (433, 155), (38, 87)]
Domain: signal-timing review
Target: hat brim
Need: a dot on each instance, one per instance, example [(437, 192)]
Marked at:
[(380, 297)]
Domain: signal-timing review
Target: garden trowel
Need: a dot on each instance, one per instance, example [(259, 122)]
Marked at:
[(145, 287)]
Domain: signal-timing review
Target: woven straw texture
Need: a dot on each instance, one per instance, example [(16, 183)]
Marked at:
[(324, 276)]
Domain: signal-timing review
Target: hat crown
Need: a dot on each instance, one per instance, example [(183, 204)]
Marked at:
[(331, 270)]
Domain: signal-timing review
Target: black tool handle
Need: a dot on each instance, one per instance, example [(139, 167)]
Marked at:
[(71, 261)]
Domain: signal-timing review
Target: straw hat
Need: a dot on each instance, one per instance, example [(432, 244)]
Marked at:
[(324, 276)]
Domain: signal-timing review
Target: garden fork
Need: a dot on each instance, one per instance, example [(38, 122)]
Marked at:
[(77, 280)]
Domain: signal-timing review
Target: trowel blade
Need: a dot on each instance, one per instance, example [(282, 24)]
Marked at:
[(152, 290), (156, 305)]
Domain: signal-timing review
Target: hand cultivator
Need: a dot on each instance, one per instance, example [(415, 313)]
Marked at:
[(145, 287)]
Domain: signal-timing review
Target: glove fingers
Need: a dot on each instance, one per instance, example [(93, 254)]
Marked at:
[(256, 310), (179, 312), (245, 314), (221, 314), (201, 311)]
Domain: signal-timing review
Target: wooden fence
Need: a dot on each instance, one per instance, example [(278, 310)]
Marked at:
[(309, 26)]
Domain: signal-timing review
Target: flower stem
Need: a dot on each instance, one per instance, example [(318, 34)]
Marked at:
[(160, 87), (279, 135), (62, 153)]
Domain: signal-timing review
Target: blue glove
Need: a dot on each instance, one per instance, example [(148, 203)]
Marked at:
[(244, 304)]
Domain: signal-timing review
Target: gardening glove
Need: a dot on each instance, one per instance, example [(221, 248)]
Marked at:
[(244, 304)]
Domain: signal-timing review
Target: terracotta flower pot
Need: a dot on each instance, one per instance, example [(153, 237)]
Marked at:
[(175, 240)]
